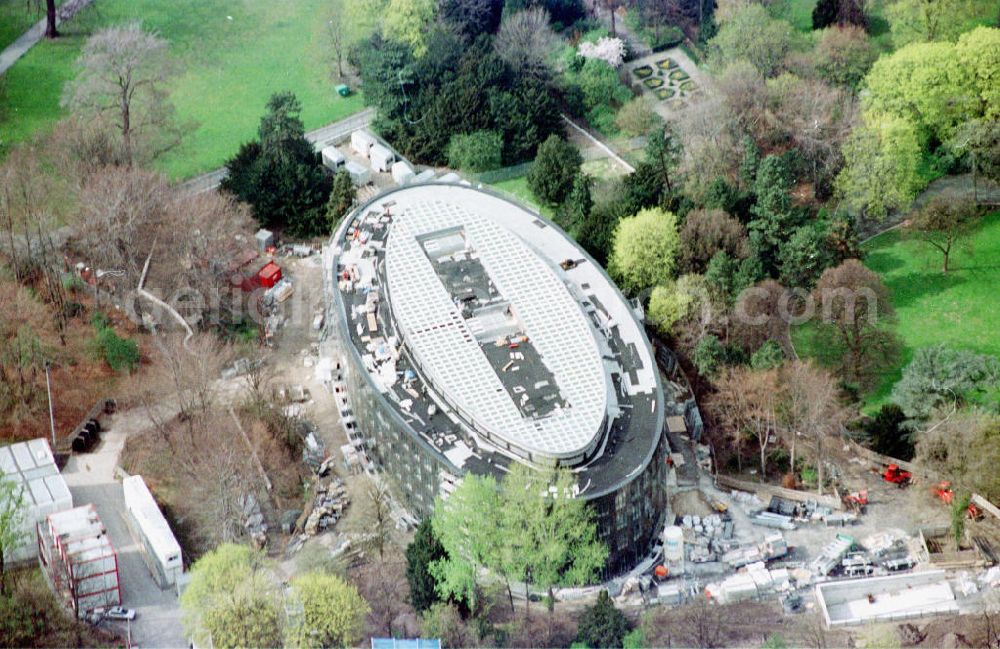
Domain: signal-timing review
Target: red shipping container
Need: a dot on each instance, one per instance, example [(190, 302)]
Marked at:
[(269, 275)]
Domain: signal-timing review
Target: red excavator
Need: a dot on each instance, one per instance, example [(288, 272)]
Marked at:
[(897, 476), (946, 494)]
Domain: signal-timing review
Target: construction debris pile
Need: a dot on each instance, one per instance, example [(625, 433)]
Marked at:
[(328, 507), (754, 582)]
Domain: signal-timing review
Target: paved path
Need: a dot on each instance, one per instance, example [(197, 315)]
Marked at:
[(598, 143), (321, 137), (91, 479), (27, 40)]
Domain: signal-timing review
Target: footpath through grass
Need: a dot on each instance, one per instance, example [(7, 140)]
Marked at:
[(231, 58), (959, 309)]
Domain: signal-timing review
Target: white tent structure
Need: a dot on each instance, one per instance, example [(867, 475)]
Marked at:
[(31, 466), (160, 548)]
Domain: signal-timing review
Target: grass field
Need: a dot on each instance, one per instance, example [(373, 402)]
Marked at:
[(959, 309), (231, 58), (517, 188)]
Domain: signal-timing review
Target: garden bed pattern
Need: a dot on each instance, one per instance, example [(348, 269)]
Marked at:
[(666, 80)]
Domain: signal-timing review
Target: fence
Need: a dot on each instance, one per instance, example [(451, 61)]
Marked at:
[(499, 175), (770, 490)]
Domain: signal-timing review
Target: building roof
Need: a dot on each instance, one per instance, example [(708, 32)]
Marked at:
[(521, 291), (31, 464), (140, 502), (444, 254)]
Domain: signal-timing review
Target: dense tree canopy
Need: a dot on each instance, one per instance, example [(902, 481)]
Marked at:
[(752, 34), (557, 165), (424, 550), (333, 613), (279, 175), (939, 376), (455, 88), (603, 625)]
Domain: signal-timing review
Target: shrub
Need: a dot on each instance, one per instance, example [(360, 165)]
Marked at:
[(121, 354), (477, 151)]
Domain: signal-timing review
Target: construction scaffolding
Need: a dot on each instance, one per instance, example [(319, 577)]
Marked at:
[(78, 559)]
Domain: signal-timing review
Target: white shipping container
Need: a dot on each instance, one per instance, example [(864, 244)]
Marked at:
[(360, 175), (32, 466)]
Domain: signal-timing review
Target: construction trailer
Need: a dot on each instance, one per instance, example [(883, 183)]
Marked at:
[(160, 549), (77, 557), (362, 141), (402, 172), (360, 175), (882, 599), (32, 468), (333, 159), (381, 157)]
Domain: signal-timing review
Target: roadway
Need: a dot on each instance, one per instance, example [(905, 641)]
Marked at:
[(91, 479)]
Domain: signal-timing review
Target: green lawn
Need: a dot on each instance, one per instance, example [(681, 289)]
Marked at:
[(959, 309), (517, 189), (227, 70), (797, 12)]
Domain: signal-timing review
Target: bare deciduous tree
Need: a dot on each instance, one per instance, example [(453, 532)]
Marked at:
[(811, 409), (375, 518), (121, 79), (761, 314), (526, 41), (748, 402), (383, 585), (711, 146), (338, 33)]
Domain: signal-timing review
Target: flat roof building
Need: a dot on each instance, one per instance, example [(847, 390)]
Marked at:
[(474, 333), (78, 559), (32, 468)]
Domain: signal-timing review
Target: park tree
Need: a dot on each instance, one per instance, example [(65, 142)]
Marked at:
[(574, 213), (423, 551), (980, 140), (671, 303), (942, 377), (342, 198), (526, 41), (709, 133), (924, 83), (768, 356), (550, 536), (602, 625), (468, 526), (709, 356), (824, 14), (745, 92), (551, 176), (881, 163), (773, 214), (644, 250), (762, 314), (707, 232), (122, 79), (332, 613), (472, 17), (806, 254), (476, 152), (942, 224), (12, 519), (665, 151), (232, 600), (637, 117), (887, 433), (338, 31), (810, 410), (444, 621), (752, 34), (916, 21), (855, 307), (406, 21), (843, 55), (278, 175), (748, 403), (818, 118)]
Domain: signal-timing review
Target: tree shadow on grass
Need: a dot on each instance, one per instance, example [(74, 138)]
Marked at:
[(883, 261), (909, 288)]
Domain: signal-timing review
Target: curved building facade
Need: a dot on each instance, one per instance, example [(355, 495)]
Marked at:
[(472, 333)]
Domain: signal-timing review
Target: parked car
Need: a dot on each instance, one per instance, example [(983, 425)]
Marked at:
[(115, 613)]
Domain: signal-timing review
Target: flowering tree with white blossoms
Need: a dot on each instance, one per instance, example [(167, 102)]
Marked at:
[(610, 50)]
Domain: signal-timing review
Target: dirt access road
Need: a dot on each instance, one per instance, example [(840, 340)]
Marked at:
[(91, 479)]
